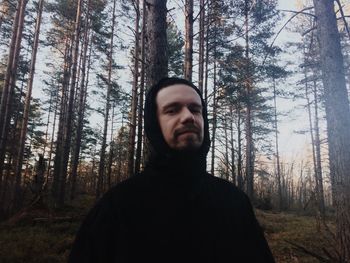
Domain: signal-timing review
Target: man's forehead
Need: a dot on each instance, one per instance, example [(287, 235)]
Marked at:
[(178, 93)]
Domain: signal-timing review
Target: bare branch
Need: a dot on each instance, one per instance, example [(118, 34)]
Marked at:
[(285, 24), (343, 16)]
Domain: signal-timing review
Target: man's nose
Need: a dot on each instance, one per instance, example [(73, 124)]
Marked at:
[(187, 116)]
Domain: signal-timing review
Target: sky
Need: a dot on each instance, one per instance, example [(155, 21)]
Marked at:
[(291, 144)]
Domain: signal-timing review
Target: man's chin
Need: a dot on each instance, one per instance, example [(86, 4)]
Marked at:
[(188, 147)]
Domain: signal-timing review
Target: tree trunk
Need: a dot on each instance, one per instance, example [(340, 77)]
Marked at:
[(206, 61), (233, 166), (141, 93), (201, 45), (157, 41), (111, 153), (10, 79), (248, 124), (213, 138), (338, 119), (69, 118), (134, 98), (240, 183), (311, 133), (280, 195), (101, 168), (227, 170), (188, 39), (28, 97), (321, 204), (81, 105), (61, 123), (52, 142)]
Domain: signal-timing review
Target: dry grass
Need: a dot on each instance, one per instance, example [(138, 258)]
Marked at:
[(49, 240), (293, 238)]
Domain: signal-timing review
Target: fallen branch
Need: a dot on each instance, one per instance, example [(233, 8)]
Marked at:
[(309, 252)]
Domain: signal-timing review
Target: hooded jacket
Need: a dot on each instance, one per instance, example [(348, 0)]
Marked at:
[(173, 211)]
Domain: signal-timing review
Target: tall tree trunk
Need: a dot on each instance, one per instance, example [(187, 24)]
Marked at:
[(157, 41), (213, 138), (48, 172), (51, 101), (134, 98), (248, 124), (157, 53), (233, 166), (101, 168), (227, 162), (206, 61), (69, 117), (61, 123), (111, 152), (10, 79), (141, 93), (81, 105), (23, 136), (319, 178), (240, 183), (280, 195), (338, 119), (188, 39), (201, 45), (311, 134)]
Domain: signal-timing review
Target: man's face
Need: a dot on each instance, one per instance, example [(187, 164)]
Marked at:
[(179, 112)]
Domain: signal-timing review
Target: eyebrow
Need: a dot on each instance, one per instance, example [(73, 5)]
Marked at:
[(177, 104)]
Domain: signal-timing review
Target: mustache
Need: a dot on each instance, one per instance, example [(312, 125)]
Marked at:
[(187, 128)]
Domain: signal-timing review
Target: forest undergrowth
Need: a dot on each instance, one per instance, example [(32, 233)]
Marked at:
[(41, 235)]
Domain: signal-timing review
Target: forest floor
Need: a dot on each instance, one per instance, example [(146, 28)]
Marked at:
[(41, 236)]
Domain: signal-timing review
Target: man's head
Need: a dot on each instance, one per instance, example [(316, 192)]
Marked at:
[(179, 113), (176, 118)]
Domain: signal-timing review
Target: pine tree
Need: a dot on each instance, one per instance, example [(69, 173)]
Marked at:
[(338, 119)]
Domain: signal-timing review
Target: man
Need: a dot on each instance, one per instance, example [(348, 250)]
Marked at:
[(174, 211)]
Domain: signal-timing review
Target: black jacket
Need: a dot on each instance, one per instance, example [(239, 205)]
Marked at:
[(154, 217), (174, 211)]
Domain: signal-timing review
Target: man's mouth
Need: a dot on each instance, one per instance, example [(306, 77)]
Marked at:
[(182, 131)]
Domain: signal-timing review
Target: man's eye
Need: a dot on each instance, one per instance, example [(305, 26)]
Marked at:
[(196, 110), (170, 111)]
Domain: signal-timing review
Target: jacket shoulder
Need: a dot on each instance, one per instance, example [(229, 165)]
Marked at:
[(227, 187)]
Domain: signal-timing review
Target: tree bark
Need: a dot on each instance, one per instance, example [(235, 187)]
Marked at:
[(61, 122), (321, 203), (248, 124), (10, 79), (201, 46), (101, 168), (240, 183), (280, 195), (141, 93), (134, 97), (227, 162), (28, 97), (338, 119), (188, 39), (157, 41), (213, 138), (111, 152), (81, 106), (233, 166), (69, 117)]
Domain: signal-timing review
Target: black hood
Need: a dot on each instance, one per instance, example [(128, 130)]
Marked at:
[(160, 154)]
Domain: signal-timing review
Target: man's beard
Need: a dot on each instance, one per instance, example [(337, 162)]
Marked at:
[(192, 142)]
